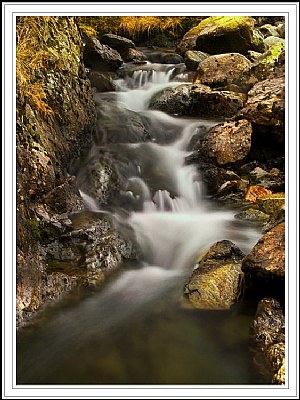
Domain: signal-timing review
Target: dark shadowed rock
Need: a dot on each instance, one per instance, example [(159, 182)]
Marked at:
[(197, 100), (102, 81), (216, 284), (267, 335), (220, 34), (131, 54), (101, 57), (116, 42)]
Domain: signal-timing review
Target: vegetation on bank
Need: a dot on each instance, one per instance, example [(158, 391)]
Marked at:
[(137, 27), (39, 50)]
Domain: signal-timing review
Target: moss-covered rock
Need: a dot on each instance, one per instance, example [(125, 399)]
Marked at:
[(222, 34), (216, 284)]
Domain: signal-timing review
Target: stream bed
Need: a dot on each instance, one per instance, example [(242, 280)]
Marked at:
[(134, 329)]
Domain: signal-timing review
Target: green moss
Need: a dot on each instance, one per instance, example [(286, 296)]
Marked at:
[(273, 54), (33, 226), (226, 23)]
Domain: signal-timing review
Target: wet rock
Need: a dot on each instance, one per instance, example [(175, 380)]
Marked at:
[(102, 81), (270, 64), (226, 143), (164, 57), (273, 180), (130, 125), (268, 30), (116, 42), (271, 203), (272, 41), (267, 258), (220, 34), (213, 177), (216, 104), (134, 55), (256, 191), (197, 100), (281, 29), (99, 179), (101, 57), (193, 58), (64, 198), (252, 215), (48, 139), (222, 70), (216, 284), (267, 334), (237, 186), (265, 106), (173, 100)]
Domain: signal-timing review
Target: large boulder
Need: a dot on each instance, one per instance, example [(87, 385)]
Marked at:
[(221, 34), (223, 69), (198, 100), (216, 284), (226, 143), (101, 57)]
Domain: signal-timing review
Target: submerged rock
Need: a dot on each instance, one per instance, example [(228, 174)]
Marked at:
[(217, 282), (267, 335)]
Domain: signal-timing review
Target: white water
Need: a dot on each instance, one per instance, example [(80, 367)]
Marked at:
[(132, 331), (175, 223)]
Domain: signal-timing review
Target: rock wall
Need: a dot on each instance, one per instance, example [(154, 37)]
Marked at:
[(55, 121)]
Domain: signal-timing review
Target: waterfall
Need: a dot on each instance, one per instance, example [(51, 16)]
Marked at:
[(131, 330)]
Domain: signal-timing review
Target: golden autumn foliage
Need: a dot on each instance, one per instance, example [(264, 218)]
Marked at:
[(135, 27)]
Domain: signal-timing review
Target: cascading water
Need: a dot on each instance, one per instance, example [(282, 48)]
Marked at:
[(133, 330)]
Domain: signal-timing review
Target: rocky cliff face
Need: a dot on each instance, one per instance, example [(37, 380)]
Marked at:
[(55, 116)]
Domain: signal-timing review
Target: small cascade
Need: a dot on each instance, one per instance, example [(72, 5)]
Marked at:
[(132, 330)]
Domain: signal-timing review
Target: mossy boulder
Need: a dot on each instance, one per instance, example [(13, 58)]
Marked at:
[(271, 203), (222, 34), (216, 284)]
